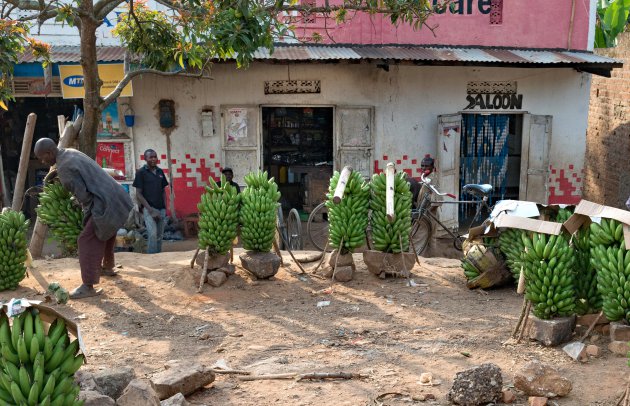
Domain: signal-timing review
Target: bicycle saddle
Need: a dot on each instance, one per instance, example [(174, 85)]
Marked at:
[(475, 189)]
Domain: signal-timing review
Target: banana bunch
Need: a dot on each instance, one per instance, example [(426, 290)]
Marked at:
[(611, 261), (37, 368), (218, 217), (259, 205), (13, 227), (588, 298), (348, 220), (511, 245), (563, 215), (548, 263), (62, 214), (387, 237), (470, 271)]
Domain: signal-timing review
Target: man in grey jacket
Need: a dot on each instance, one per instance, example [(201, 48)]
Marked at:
[(106, 206)]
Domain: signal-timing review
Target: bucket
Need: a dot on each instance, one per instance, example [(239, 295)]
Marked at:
[(130, 120)]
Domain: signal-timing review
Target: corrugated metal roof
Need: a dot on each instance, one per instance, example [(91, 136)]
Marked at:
[(436, 55), (70, 53)]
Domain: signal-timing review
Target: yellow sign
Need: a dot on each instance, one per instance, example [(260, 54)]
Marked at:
[(111, 74)]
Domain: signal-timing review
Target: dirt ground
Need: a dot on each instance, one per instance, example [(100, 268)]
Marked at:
[(386, 329)]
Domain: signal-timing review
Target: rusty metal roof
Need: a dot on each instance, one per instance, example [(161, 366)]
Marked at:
[(71, 53), (434, 55)]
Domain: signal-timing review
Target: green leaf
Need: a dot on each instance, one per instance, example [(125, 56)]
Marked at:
[(616, 16)]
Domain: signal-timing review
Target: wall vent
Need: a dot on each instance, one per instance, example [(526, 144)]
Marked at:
[(488, 87), (292, 86)]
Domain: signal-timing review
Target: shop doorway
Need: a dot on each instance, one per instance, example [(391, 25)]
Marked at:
[(490, 152), (12, 124), (298, 152)]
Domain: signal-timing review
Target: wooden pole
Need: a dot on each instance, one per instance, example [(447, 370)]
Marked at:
[(25, 156), (341, 185), (389, 192), (40, 229)]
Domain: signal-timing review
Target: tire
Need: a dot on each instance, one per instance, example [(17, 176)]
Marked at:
[(458, 242), (318, 231), (421, 231), (294, 231), (279, 239)]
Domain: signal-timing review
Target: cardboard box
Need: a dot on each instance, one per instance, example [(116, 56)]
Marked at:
[(587, 212), (17, 306)]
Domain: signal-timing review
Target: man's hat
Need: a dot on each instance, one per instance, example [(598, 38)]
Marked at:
[(227, 170)]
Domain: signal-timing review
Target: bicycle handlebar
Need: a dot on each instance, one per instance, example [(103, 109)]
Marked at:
[(433, 189)]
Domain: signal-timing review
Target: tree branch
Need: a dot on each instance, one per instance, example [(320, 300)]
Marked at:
[(104, 7), (130, 75)]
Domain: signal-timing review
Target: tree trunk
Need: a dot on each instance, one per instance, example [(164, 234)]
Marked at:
[(91, 81)]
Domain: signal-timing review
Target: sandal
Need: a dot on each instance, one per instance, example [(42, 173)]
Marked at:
[(108, 272), (84, 291)]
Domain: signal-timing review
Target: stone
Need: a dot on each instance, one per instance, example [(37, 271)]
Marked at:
[(139, 392), (112, 382), (94, 398), (426, 377), (592, 350), (214, 261), (344, 259), (262, 265), (587, 319), (508, 396), (619, 332), (619, 347), (605, 329), (475, 386), (595, 338), (538, 379), (343, 274), (175, 400), (181, 377), (216, 278), (537, 401), (551, 332), (228, 269), (86, 381), (391, 264)]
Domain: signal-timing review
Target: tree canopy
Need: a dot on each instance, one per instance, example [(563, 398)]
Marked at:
[(612, 19)]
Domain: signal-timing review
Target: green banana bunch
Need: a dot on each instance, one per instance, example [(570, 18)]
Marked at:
[(563, 215), (37, 368), (218, 216), (259, 205), (348, 220), (387, 237), (13, 246), (588, 298), (62, 214), (511, 245), (548, 262), (470, 271), (611, 261)]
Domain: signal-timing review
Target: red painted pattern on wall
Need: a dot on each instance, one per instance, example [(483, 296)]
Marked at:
[(410, 166), (565, 185), (190, 176)]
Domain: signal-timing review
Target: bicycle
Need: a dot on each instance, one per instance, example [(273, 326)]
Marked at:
[(289, 233), (421, 226)]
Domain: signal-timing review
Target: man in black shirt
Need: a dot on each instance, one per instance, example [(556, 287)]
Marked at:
[(229, 175), (150, 183)]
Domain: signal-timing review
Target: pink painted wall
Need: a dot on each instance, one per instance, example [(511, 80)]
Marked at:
[(525, 24)]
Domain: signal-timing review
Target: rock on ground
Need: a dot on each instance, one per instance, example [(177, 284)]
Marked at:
[(619, 332), (262, 265), (508, 396), (138, 392), (94, 398), (619, 347), (86, 381), (537, 379), (175, 400), (537, 401), (551, 332), (113, 382), (216, 278), (180, 377), (214, 261), (476, 386)]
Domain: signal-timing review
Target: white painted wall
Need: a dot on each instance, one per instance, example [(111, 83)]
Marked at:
[(407, 101)]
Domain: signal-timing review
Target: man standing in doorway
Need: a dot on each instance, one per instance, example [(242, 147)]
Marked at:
[(150, 183), (106, 206), (229, 175)]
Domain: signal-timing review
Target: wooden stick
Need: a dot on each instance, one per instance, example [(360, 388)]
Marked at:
[(337, 259), (230, 371), (291, 252), (525, 321), (40, 229), (204, 272), (413, 246), (232, 254), (341, 185), (389, 192), (25, 155), (402, 255), (321, 261), (277, 250), (301, 377), (520, 319), (192, 262), (592, 326), (521, 282)]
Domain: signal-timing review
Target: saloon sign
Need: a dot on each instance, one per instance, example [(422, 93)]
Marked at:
[(497, 101)]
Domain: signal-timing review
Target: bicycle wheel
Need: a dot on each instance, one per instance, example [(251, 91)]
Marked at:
[(318, 230), (279, 238), (420, 235), (458, 242), (294, 231)]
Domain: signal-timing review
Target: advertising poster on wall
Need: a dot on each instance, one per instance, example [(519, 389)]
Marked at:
[(236, 127), (111, 155), (109, 126)]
